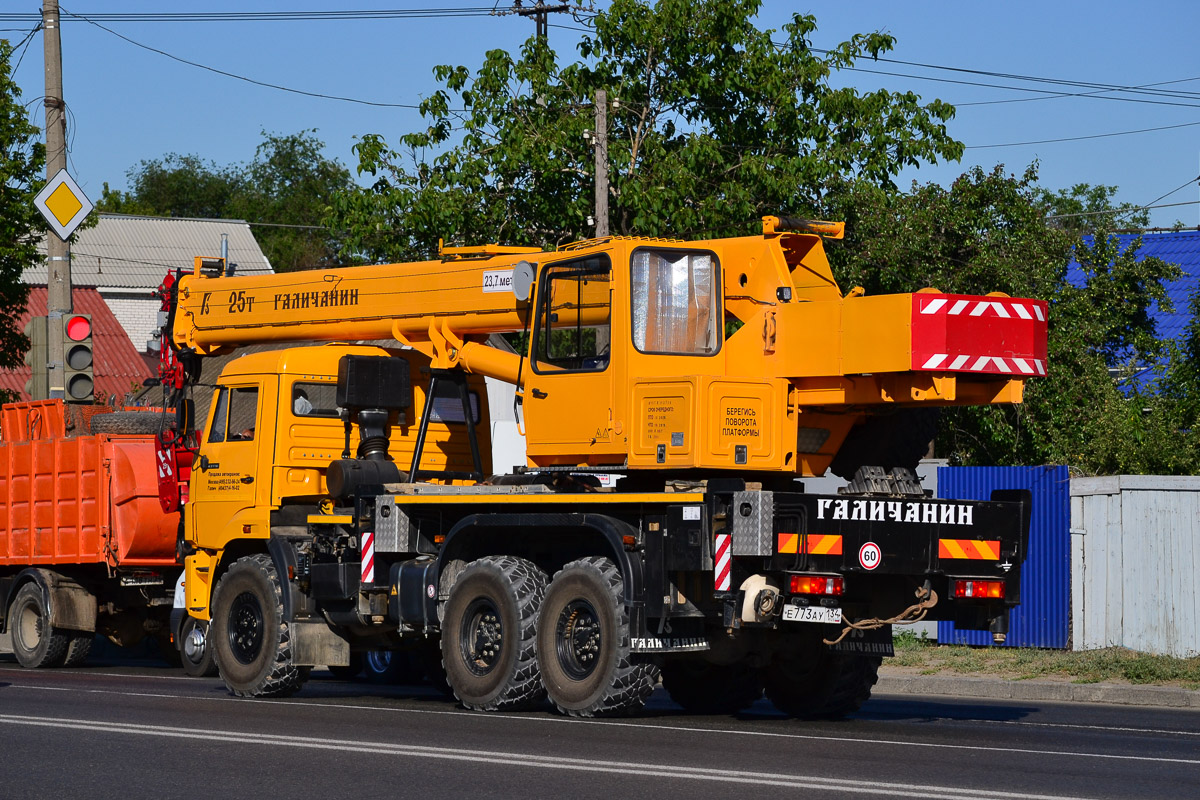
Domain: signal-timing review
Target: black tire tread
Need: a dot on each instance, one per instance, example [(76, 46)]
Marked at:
[(842, 687), (130, 422), (633, 679), (528, 585), (57, 641), (704, 688), (78, 648), (285, 678)]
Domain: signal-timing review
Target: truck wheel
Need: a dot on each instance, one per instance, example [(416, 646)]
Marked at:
[(248, 635), (583, 643), (78, 647), (34, 642), (815, 683), (130, 422), (705, 688), (489, 632), (195, 650)]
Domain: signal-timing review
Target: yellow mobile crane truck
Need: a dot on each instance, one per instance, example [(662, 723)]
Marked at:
[(335, 501)]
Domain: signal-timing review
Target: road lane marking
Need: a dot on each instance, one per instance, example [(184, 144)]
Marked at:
[(527, 760), (650, 726)]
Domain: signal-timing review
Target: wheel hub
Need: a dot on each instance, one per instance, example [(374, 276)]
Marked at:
[(245, 627), (193, 645), (578, 639), (29, 627), (482, 634)]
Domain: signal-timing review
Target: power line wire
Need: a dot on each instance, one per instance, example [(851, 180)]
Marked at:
[(240, 77), (1122, 212), (1168, 194), (1081, 138)]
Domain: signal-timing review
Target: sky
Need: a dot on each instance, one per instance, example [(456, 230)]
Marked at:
[(128, 104)]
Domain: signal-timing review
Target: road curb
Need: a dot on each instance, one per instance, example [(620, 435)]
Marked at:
[(1001, 689)]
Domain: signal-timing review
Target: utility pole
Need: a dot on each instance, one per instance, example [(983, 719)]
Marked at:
[(58, 251), (601, 163), (540, 12)]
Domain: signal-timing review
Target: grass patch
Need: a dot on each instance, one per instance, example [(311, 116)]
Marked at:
[(1114, 664)]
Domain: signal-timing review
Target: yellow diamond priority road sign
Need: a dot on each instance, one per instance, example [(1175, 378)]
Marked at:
[(63, 204)]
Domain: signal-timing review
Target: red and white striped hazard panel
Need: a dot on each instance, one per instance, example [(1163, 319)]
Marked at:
[(984, 335), (368, 557), (723, 569)]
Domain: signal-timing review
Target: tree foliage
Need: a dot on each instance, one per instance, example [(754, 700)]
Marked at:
[(988, 232), (22, 170), (289, 182), (712, 123)]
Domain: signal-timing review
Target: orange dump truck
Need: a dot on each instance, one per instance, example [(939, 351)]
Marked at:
[(85, 546)]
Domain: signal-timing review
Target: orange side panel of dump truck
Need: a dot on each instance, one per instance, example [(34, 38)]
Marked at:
[(86, 499)]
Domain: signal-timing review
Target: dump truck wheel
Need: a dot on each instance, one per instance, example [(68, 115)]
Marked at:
[(195, 649), (816, 683), (78, 647), (705, 688), (130, 422), (249, 638), (34, 642), (489, 632), (584, 647)]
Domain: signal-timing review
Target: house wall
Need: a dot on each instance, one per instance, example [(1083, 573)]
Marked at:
[(137, 311), (1135, 555)]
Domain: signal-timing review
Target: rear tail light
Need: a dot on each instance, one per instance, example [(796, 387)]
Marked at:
[(816, 584), (991, 590)]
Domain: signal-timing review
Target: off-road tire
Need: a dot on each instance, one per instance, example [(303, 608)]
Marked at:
[(249, 639), (900, 439), (79, 644), (34, 642), (201, 665), (489, 634), (701, 687), (820, 684), (583, 643), (129, 422)]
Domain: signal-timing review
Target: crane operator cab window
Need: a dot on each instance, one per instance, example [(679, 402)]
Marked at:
[(236, 415), (676, 308), (574, 317)]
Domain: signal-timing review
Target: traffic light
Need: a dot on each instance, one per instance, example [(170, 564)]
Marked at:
[(38, 385), (78, 381)]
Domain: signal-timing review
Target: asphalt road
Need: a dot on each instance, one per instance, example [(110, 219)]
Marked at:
[(136, 730)]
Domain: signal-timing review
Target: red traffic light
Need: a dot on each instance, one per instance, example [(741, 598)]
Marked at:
[(78, 328)]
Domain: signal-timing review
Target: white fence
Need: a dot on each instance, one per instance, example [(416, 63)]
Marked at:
[(1135, 562)]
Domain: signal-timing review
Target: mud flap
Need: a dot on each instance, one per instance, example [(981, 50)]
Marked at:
[(875, 642), (315, 644)]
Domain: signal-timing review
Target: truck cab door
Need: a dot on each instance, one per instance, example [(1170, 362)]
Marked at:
[(226, 478), (568, 398)]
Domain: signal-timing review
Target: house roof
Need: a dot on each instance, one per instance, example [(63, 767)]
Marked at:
[(117, 366), (1180, 247), (131, 252)]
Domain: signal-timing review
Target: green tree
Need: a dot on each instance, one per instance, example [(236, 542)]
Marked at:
[(713, 123), (988, 232), (22, 167), (286, 188)]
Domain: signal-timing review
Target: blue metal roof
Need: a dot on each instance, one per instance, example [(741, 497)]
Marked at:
[(1182, 248)]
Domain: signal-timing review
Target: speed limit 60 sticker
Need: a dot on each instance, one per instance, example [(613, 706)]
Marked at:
[(869, 555)]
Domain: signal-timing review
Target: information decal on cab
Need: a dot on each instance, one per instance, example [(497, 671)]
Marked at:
[(869, 555)]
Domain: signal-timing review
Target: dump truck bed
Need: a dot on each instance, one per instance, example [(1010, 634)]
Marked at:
[(78, 499)]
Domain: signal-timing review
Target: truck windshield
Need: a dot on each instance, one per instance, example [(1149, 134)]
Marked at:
[(675, 306)]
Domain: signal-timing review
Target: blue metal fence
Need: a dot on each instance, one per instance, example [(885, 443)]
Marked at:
[(1043, 617)]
